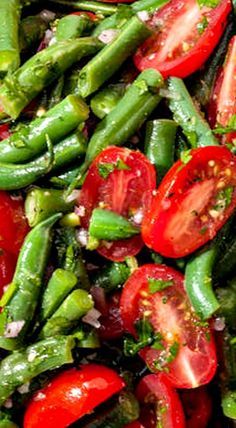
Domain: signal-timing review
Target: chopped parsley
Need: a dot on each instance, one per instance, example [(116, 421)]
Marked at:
[(185, 156), (146, 337), (202, 25), (156, 285), (105, 169)]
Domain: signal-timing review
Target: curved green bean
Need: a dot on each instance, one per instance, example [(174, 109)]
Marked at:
[(9, 40), (91, 6)]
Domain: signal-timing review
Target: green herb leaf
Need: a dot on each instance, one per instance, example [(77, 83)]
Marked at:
[(208, 3), (105, 169), (202, 25), (173, 351), (185, 156), (156, 285)]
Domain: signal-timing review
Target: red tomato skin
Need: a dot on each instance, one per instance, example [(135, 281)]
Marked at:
[(196, 361), (121, 191), (13, 224), (197, 405), (135, 424), (4, 131), (178, 199), (70, 395), (222, 105), (157, 388), (7, 268), (90, 15), (187, 64), (111, 322)]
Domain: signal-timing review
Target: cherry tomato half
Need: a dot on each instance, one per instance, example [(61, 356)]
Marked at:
[(7, 267), (121, 180), (186, 34), (192, 203), (183, 348), (70, 395), (222, 105), (160, 403), (13, 224), (197, 405), (135, 424), (4, 131), (90, 15), (111, 322)]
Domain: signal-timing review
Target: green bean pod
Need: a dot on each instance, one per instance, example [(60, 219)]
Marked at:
[(186, 114), (9, 40), (126, 118), (103, 65), (160, 144), (6, 423), (76, 305), (42, 203), (110, 226), (198, 283), (40, 70), (64, 179), (56, 94), (20, 300), (58, 122), (90, 6), (112, 276), (59, 286), (22, 366), (72, 26), (107, 99), (14, 176)]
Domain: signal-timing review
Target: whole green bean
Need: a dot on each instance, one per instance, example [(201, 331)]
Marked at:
[(91, 6), (141, 98), (21, 366), (66, 317), (66, 178), (160, 144), (72, 26), (20, 300), (186, 114), (107, 99), (40, 70), (42, 203), (9, 40), (108, 225), (30, 140), (198, 282), (56, 94), (59, 286), (14, 176), (103, 65)]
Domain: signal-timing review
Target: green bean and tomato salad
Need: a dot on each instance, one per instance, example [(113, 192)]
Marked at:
[(117, 214)]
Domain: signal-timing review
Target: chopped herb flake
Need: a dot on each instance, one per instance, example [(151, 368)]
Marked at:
[(185, 156), (158, 284), (105, 169), (202, 25)]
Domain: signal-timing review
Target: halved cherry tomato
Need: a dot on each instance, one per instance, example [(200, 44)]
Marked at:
[(186, 34), (197, 405), (70, 395), (13, 224), (160, 401), (90, 15), (4, 131), (111, 322), (192, 203), (135, 424), (222, 105), (120, 180), (182, 347), (7, 267)]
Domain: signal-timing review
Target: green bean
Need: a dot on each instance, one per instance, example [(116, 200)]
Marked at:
[(21, 366), (76, 305), (126, 118), (72, 26), (229, 404), (56, 94), (112, 276), (186, 114), (32, 29), (42, 203), (40, 70), (91, 6), (198, 282), (148, 5), (30, 140), (89, 341), (14, 176), (122, 409), (107, 99), (70, 255), (66, 178), (20, 300), (9, 41), (103, 65), (160, 144), (108, 225), (5, 421), (59, 286)]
